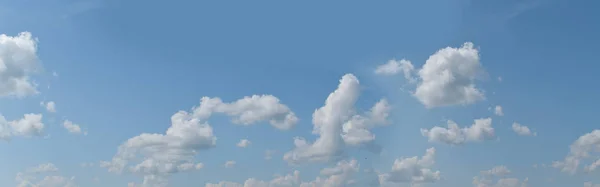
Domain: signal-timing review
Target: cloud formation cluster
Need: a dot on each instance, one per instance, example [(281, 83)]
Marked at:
[(163, 154)]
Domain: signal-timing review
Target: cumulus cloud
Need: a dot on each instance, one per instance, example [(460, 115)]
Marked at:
[(337, 117), (160, 155), (28, 126), (356, 131), (489, 176), (522, 130), (498, 110), (393, 67), (480, 130), (448, 77), (50, 106), (412, 170), (581, 151), (18, 61), (243, 143), (73, 128)]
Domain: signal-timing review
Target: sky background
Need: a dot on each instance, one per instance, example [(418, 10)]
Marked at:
[(123, 68)]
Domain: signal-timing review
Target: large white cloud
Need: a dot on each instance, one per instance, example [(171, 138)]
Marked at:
[(412, 170), (480, 130), (582, 150), (447, 77), (498, 174), (28, 126), (160, 155), (18, 60), (338, 117)]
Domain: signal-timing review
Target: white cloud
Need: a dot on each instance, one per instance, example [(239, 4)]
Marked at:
[(269, 154), (190, 166), (43, 168), (55, 74), (393, 67), (498, 110), (590, 184), (18, 60), (497, 171), (73, 128), (290, 180), (27, 179), (412, 170), (343, 174), (480, 130), (160, 155), (522, 130), (229, 164), (199, 166), (356, 130), (581, 151), (49, 106), (337, 117), (448, 77), (488, 176), (243, 143), (28, 126)]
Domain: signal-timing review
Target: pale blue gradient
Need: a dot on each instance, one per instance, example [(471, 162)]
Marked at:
[(126, 66)]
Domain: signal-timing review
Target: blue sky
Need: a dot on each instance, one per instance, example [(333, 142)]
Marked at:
[(107, 77)]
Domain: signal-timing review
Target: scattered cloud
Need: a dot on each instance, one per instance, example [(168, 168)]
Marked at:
[(49, 106), (29, 179), (498, 110), (412, 170), (269, 154), (230, 164), (29, 126), (73, 128), (160, 155), (18, 61), (43, 168), (522, 130), (343, 174), (581, 150), (590, 184), (480, 130), (243, 143), (393, 67), (498, 172)]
